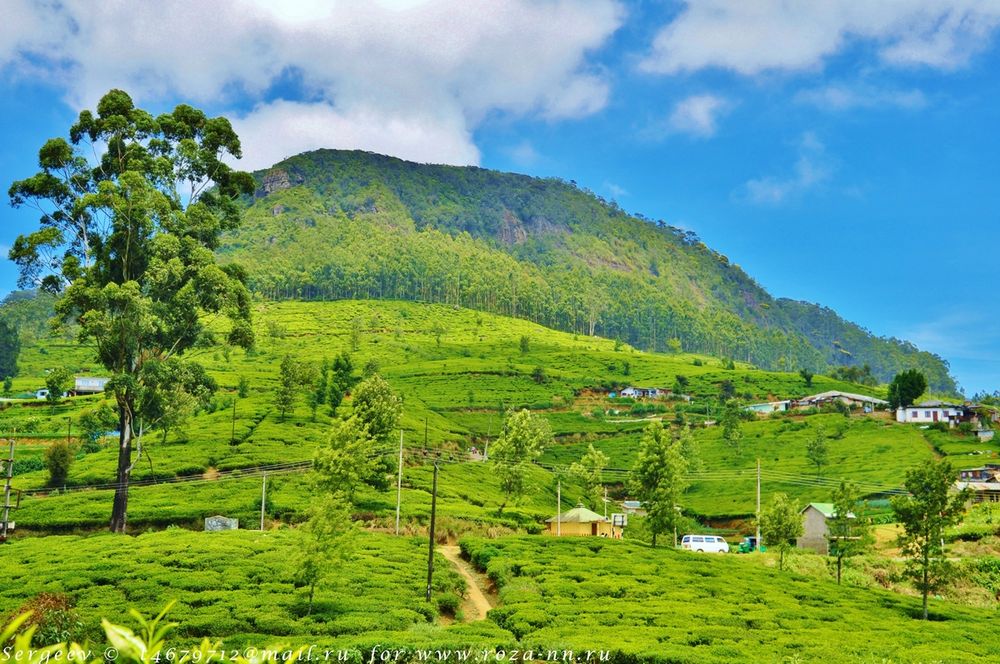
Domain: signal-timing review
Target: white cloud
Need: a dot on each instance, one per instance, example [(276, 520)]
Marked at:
[(844, 96), (523, 153), (788, 35), (402, 76), (617, 191), (811, 168), (697, 115)]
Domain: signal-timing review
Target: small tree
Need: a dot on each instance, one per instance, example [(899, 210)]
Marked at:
[(522, 440), (658, 479), (818, 450), (318, 394), (780, 523), (10, 347), (327, 536), (379, 409), (56, 382), (243, 388), (681, 383), (348, 458), (807, 376), (732, 425), (355, 335), (538, 375), (289, 381), (905, 387), (525, 344), (58, 459), (437, 329), (925, 513), (8, 386), (674, 345), (590, 470), (95, 424), (848, 533)]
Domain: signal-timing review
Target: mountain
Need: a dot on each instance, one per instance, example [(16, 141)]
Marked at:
[(334, 224)]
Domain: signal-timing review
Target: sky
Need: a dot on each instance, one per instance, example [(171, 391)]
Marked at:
[(842, 152)]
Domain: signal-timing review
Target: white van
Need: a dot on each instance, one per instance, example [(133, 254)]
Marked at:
[(703, 543)]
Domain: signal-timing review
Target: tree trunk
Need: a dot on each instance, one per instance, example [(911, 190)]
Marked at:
[(925, 588), (781, 559), (840, 562), (312, 592), (119, 513)]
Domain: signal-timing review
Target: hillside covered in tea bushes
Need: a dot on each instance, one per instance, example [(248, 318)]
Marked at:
[(334, 224)]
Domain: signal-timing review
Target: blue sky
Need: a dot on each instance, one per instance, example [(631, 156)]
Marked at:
[(842, 152)]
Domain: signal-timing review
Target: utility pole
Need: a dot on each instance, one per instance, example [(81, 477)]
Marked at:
[(430, 542), (4, 525), (425, 433), (758, 505), (559, 508), (399, 481), (605, 502), (263, 500), (232, 436)]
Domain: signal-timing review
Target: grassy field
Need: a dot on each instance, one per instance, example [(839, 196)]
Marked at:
[(656, 605)]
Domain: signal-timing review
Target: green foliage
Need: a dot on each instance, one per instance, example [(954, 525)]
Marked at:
[(905, 387), (525, 344), (350, 457), (849, 533), (292, 377), (925, 513), (130, 256), (10, 348), (57, 382), (732, 425), (590, 471), (663, 605), (780, 523), (807, 376), (659, 479), (328, 538), (378, 407), (243, 388), (818, 450), (58, 459), (522, 440), (357, 225)]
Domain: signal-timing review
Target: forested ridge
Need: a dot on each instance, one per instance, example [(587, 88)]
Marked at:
[(335, 224)]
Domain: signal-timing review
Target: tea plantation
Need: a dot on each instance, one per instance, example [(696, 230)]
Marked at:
[(657, 605)]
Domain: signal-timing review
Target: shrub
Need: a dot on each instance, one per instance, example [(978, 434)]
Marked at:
[(58, 459)]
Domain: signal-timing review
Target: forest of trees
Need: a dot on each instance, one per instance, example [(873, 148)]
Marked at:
[(335, 224)]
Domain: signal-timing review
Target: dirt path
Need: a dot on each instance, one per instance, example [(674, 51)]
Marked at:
[(476, 604)]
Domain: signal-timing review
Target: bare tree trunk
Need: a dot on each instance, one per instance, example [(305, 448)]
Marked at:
[(119, 512)]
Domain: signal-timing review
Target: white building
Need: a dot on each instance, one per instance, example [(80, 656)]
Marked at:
[(89, 385), (929, 412)]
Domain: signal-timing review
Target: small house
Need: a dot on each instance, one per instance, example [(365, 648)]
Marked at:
[(815, 531), (581, 522), (89, 385), (633, 507), (867, 403), (42, 394), (929, 412), (984, 434), (768, 407), (984, 483), (642, 392)]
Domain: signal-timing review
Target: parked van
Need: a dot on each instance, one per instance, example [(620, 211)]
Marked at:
[(705, 543)]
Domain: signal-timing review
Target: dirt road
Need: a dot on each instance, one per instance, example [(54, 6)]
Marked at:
[(476, 605)]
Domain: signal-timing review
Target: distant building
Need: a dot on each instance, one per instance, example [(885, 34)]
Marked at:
[(581, 522), (815, 531), (89, 385), (633, 507), (847, 398), (984, 483), (929, 412), (642, 392), (769, 407)]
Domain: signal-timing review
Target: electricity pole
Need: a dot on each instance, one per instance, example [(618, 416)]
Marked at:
[(263, 500), (758, 505), (399, 481), (430, 542), (232, 436)]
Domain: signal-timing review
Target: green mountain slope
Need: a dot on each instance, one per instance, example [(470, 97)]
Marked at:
[(336, 224)]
